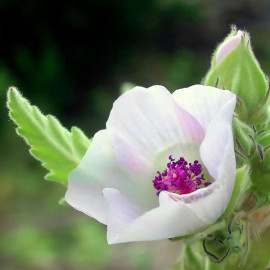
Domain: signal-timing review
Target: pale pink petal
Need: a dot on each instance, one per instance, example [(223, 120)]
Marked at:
[(170, 219), (228, 45), (203, 102), (145, 121), (98, 170)]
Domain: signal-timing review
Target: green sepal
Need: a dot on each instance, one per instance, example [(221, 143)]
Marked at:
[(260, 171), (244, 138), (193, 257), (242, 183), (261, 114), (190, 239), (190, 259), (263, 138), (209, 265), (241, 73), (58, 150)]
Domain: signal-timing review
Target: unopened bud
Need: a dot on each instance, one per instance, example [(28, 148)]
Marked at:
[(228, 45), (234, 67)]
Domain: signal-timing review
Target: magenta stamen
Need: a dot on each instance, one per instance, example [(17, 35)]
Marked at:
[(180, 177)]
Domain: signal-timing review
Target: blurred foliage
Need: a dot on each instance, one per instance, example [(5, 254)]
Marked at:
[(71, 58)]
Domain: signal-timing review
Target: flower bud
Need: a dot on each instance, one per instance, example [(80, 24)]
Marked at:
[(235, 67), (228, 45)]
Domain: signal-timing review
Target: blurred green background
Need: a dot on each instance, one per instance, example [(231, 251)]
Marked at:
[(71, 58)]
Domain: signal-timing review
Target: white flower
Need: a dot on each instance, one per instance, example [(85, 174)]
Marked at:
[(114, 181)]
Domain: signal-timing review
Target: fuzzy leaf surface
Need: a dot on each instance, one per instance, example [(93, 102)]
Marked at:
[(58, 149)]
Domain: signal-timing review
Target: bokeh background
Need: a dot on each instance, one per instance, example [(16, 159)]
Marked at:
[(71, 59)]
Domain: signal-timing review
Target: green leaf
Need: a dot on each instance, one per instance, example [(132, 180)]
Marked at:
[(58, 149)]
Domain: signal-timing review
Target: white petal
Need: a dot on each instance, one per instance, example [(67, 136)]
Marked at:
[(217, 154), (122, 213), (170, 219), (207, 203), (97, 170), (203, 102), (212, 201), (217, 145), (145, 121)]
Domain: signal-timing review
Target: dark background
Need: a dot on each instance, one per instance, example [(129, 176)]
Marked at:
[(71, 58)]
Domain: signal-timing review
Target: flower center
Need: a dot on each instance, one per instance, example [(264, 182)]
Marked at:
[(180, 177)]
